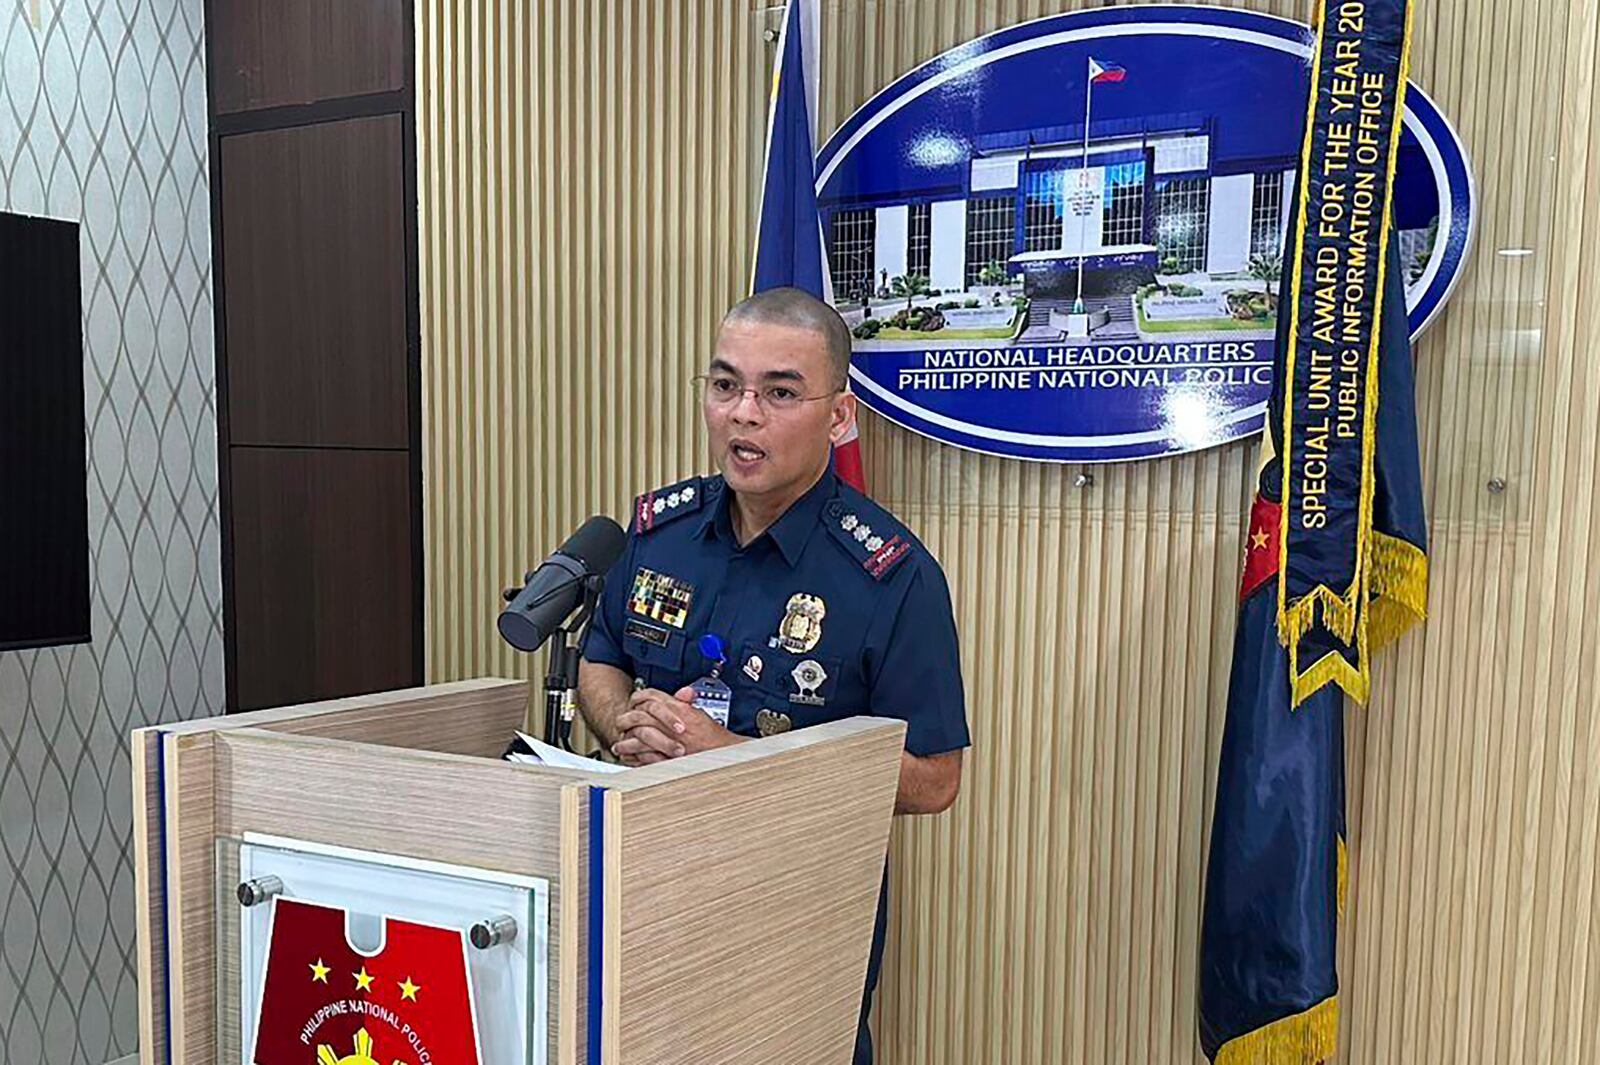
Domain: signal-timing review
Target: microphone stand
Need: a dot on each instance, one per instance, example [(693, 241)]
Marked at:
[(560, 683)]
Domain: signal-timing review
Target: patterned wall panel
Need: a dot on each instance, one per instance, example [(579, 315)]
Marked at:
[(103, 119), (588, 172)]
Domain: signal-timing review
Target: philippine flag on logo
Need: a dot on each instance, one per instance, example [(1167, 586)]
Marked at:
[(1104, 73)]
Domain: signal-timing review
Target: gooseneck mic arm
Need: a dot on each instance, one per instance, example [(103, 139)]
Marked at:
[(561, 681)]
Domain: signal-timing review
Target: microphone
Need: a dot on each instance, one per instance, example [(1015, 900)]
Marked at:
[(556, 588)]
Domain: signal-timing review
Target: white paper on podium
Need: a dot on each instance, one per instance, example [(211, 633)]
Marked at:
[(547, 754), (509, 982)]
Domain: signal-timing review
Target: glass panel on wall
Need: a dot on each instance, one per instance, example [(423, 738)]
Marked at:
[(1266, 215), (1124, 205), (854, 232), (919, 240), (1041, 227), (989, 227), (1182, 218)]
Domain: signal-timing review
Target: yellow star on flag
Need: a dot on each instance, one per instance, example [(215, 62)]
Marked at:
[(1258, 540), (408, 990), (319, 972), (363, 980)]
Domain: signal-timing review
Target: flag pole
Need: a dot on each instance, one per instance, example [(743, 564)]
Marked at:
[(1083, 176)]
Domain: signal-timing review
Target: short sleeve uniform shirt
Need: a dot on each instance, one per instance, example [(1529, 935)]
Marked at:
[(834, 611)]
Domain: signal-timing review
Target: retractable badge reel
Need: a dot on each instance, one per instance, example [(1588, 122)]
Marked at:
[(711, 696)]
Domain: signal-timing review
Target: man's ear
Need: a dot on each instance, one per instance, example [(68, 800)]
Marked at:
[(844, 416)]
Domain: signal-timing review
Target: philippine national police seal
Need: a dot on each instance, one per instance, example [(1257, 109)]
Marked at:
[(808, 677)]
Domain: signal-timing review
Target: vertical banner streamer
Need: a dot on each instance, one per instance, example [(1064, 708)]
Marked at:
[(1336, 298), (1335, 566)]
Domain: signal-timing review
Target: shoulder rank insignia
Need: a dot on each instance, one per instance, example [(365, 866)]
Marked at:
[(674, 501), (873, 538)]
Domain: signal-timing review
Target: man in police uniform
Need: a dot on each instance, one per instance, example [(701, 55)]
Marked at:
[(828, 607)]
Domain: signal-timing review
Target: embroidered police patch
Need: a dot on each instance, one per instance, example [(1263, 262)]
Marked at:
[(885, 556), (878, 550)]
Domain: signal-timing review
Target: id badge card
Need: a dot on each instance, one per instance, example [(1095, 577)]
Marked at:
[(712, 697)]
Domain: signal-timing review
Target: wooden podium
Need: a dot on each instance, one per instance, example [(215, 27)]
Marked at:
[(712, 909)]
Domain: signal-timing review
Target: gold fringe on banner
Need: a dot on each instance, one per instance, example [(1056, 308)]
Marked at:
[(1331, 668), (1306, 1038), (1398, 583), (1343, 875), (1303, 1039), (1338, 616)]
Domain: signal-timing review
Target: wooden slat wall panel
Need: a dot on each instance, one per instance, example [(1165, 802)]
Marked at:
[(588, 179)]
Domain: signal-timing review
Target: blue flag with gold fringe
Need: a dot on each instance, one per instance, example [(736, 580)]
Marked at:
[(1335, 564)]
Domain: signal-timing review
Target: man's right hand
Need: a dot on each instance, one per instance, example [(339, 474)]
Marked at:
[(644, 735)]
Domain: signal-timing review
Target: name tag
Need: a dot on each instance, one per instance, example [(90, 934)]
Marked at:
[(646, 632)]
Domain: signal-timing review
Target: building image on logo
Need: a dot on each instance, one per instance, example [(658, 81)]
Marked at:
[(1172, 237), (1064, 240)]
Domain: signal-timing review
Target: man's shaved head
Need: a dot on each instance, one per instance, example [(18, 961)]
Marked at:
[(779, 401), (798, 309)]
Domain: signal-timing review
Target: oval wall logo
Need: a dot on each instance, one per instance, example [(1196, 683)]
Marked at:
[(1063, 241)]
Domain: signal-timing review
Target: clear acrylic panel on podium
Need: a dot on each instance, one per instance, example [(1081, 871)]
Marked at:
[(333, 956)]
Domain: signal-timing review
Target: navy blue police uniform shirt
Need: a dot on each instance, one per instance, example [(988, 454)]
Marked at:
[(834, 611)]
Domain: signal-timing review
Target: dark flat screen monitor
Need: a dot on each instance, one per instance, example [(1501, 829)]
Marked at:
[(44, 521)]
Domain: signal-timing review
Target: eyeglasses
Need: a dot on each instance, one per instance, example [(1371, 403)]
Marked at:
[(723, 390)]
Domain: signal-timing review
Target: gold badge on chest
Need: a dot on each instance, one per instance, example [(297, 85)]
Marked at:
[(801, 627)]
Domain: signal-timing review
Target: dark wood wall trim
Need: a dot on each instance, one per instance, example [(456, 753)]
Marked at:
[(367, 106), (302, 76)]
